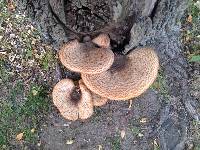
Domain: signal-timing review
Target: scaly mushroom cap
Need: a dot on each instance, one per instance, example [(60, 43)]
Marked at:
[(102, 40), (86, 58), (129, 76), (72, 104), (97, 99)]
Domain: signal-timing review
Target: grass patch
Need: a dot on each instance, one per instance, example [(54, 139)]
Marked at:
[(195, 58), (47, 60), (191, 34), (135, 130), (115, 142), (161, 85), (196, 133), (194, 10), (22, 118), (4, 74)]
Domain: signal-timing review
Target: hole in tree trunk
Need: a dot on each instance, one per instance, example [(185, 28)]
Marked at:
[(92, 17)]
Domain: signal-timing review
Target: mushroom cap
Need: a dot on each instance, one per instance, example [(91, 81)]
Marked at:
[(129, 76), (102, 40), (97, 99), (69, 108), (85, 58), (86, 104)]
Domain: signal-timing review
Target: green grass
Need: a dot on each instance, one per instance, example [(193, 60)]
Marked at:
[(16, 118), (116, 144), (194, 10), (161, 86), (4, 74), (195, 58), (135, 130), (193, 33), (47, 60)]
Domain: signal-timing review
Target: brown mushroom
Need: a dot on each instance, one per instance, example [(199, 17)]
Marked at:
[(72, 102), (97, 99), (86, 57), (128, 77), (102, 40)]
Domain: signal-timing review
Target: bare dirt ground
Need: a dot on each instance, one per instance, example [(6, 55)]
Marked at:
[(156, 120)]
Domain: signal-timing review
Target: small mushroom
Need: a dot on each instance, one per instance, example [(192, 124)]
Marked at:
[(128, 77), (72, 102), (86, 57), (97, 99), (102, 40)]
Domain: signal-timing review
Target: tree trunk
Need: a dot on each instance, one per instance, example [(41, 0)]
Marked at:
[(136, 23)]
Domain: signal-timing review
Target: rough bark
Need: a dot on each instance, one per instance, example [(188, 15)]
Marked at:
[(153, 23)]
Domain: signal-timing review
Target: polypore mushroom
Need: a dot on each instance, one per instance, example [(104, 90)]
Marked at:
[(72, 102), (102, 40), (97, 99), (86, 57), (128, 77)]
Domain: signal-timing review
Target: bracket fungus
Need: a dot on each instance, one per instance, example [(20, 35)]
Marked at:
[(72, 102), (87, 57), (97, 99), (128, 77), (102, 40)]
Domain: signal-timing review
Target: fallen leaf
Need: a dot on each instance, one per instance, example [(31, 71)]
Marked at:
[(19, 136), (143, 120), (11, 5), (140, 135), (69, 142), (130, 104), (100, 147), (32, 130), (123, 133), (189, 19), (35, 92), (39, 143), (155, 143)]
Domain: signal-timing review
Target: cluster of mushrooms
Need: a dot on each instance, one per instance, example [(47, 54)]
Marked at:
[(105, 76)]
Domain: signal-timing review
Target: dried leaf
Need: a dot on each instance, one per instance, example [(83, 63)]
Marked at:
[(130, 104), (11, 5), (140, 135), (19, 136), (155, 143), (189, 19), (32, 130), (35, 92), (100, 147), (69, 142), (123, 133), (143, 120)]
